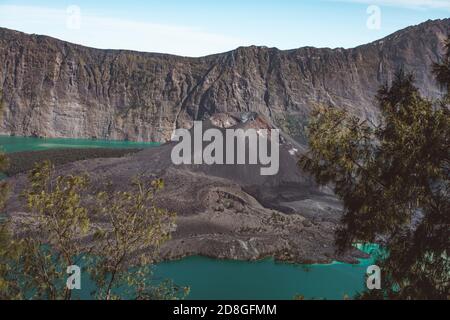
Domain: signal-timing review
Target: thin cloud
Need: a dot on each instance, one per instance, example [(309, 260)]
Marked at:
[(412, 4), (114, 33)]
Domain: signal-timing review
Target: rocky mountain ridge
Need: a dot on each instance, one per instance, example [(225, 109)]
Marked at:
[(54, 88)]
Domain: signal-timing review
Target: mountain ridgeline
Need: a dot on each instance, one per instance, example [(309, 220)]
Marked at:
[(54, 88)]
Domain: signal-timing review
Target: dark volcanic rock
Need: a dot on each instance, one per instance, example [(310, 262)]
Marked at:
[(25, 160), (57, 89), (54, 88), (224, 211)]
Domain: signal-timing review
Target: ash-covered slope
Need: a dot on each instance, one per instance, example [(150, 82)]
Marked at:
[(224, 211), (57, 89)]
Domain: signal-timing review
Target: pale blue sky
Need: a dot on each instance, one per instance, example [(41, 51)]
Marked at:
[(200, 27)]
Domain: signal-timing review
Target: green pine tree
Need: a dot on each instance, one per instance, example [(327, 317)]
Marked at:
[(393, 179), (5, 250)]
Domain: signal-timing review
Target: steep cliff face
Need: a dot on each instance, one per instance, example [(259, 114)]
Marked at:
[(57, 89)]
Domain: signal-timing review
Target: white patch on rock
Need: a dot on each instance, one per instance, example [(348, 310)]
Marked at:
[(293, 151), (262, 133), (243, 244)]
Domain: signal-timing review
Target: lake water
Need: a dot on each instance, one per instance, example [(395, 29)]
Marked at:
[(219, 279), (265, 280), (16, 144)]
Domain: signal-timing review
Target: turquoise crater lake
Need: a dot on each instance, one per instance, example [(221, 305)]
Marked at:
[(224, 279)]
